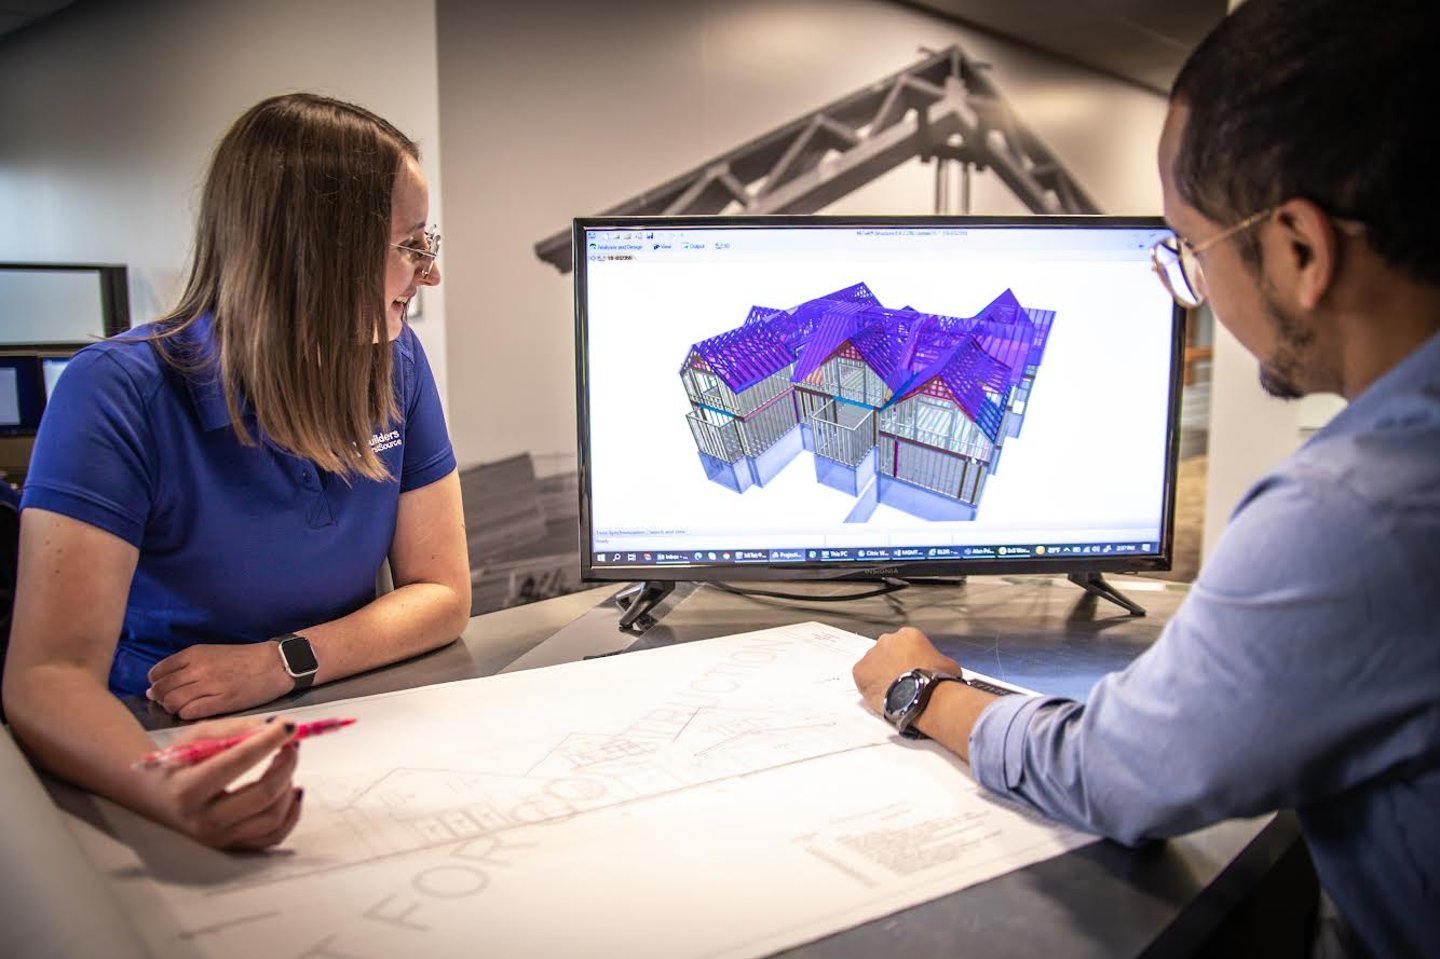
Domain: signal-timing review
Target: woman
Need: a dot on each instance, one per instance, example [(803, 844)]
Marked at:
[(211, 496)]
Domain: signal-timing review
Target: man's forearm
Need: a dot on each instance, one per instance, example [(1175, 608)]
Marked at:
[(951, 714)]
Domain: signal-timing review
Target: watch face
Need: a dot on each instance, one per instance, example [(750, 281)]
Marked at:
[(902, 693), (299, 657)]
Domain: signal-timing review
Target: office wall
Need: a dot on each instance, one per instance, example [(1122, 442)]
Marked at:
[(550, 109), (557, 108), (109, 110)]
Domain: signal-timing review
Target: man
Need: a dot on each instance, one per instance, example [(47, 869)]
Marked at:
[(1298, 165)]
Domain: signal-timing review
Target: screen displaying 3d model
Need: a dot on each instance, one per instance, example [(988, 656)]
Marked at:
[(897, 406), (798, 396)]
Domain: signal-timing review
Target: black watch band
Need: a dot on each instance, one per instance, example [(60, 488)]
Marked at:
[(298, 659)]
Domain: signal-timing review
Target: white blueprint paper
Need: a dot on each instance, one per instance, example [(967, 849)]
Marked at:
[(725, 798)]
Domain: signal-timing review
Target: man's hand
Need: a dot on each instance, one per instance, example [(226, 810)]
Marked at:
[(197, 800), (205, 680), (894, 653)]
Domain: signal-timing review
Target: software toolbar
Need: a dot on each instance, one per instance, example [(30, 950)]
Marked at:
[(888, 554)]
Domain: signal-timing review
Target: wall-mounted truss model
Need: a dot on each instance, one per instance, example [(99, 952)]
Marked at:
[(899, 407), (943, 108)]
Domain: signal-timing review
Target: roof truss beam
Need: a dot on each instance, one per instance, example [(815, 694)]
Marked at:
[(943, 107)]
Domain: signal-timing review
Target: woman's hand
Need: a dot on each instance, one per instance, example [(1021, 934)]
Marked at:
[(197, 800), (206, 680), (74, 582)]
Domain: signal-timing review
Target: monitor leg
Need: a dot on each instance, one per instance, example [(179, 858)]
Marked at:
[(1095, 583), (637, 599)]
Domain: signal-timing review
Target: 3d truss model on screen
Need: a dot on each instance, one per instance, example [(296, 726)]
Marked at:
[(897, 406)]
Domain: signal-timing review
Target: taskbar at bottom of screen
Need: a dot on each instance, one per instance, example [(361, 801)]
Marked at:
[(865, 554)]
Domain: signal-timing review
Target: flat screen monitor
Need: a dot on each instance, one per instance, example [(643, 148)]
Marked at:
[(873, 398), (47, 304), (50, 369)]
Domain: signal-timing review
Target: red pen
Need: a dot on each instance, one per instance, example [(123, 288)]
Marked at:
[(198, 750)]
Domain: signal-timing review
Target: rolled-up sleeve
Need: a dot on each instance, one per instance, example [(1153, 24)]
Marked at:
[(997, 744)]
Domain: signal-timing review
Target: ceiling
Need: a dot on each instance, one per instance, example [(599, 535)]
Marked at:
[(1142, 41), (14, 14)]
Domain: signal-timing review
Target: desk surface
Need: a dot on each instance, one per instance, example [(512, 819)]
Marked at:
[(1040, 632), (1101, 900)]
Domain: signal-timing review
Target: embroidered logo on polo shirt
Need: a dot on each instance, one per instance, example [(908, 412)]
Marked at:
[(381, 442)]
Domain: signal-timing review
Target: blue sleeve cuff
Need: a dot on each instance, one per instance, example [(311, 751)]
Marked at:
[(440, 466), (87, 509), (997, 743)]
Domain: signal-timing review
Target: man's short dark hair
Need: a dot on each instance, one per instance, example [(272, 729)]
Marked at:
[(1331, 100)]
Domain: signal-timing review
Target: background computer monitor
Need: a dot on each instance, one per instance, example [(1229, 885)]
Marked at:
[(22, 394), (808, 397), (48, 311), (50, 304), (27, 381), (50, 369)]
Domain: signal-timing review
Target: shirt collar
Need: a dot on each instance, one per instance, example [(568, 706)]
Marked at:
[(1417, 375), (197, 345)]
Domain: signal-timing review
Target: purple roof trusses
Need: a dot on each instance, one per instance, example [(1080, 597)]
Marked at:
[(979, 358), (834, 324), (743, 356), (767, 341), (977, 381)]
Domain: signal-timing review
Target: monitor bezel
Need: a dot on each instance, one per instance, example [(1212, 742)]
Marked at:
[(114, 302), (1159, 561)]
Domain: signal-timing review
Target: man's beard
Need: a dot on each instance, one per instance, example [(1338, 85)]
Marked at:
[(1274, 382), (1280, 375)]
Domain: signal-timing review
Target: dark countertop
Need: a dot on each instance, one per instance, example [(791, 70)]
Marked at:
[(1103, 900)]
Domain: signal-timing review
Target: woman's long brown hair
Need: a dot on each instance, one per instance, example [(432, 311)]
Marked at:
[(290, 256)]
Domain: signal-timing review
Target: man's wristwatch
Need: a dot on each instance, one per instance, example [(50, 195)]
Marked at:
[(908, 696), (298, 659)]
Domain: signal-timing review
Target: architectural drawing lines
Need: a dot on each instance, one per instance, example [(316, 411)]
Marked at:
[(736, 778), (686, 726), (499, 833), (363, 792), (751, 733), (226, 925)]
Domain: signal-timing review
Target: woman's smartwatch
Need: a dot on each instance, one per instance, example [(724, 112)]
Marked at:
[(908, 696), (298, 659)]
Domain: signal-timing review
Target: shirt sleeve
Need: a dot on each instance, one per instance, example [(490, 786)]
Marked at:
[(94, 456), (1286, 676), (428, 452)]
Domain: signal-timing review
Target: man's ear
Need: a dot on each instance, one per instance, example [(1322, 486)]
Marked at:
[(1306, 248)]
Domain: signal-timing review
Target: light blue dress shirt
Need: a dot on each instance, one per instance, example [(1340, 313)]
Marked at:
[(1302, 671)]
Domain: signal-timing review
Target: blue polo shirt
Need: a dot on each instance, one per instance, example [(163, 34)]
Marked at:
[(237, 543)]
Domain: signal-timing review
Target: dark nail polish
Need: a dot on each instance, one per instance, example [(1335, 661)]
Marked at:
[(289, 729), (299, 793), (271, 719)]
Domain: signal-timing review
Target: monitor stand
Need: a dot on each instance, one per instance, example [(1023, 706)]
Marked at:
[(637, 600), (1096, 585)]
